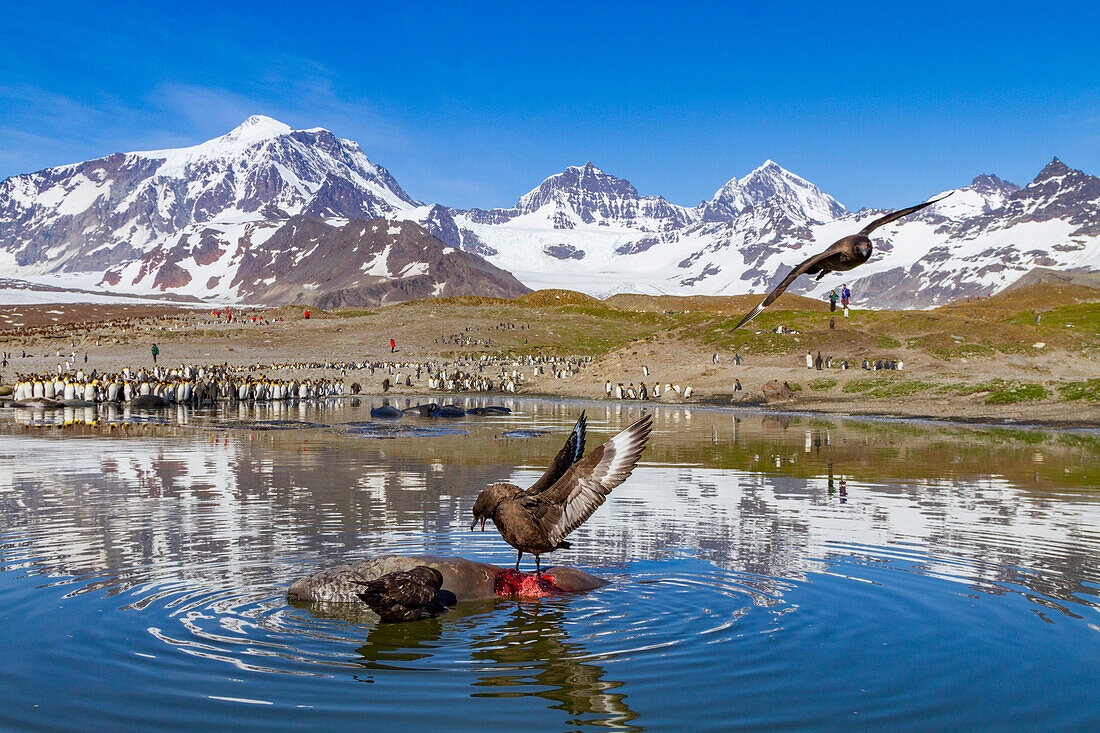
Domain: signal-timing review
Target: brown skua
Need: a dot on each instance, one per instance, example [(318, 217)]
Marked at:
[(537, 521)]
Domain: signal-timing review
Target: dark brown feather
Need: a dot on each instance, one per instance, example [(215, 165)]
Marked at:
[(797, 272), (584, 487), (570, 453), (405, 596), (786, 283), (894, 216), (537, 522)]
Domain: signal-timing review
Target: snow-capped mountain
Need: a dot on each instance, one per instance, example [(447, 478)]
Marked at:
[(250, 216), (755, 228), (980, 240), (91, 215), (771, 185), (246, 217), (585, 229)]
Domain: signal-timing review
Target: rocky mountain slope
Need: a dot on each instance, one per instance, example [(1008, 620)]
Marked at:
[(1081, 276), (246, 217), (324, 262)]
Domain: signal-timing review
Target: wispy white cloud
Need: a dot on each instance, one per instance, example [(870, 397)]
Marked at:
[(43, 128)]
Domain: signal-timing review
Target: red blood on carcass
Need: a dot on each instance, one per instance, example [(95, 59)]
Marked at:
[(513, 583)]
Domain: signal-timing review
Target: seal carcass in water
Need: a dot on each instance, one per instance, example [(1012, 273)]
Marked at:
[(466, 580)]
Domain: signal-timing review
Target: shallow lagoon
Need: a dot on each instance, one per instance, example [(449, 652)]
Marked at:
[(767, 571)]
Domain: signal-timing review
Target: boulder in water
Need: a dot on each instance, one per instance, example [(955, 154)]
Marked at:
[(777, 391)]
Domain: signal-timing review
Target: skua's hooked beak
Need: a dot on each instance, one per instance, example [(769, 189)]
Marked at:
[(475, 523)]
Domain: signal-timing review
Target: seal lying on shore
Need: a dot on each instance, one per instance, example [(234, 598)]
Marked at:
[(466, 579), (42, 402), (146, 401)]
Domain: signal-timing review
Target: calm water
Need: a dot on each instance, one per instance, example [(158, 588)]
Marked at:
[(794, 573)]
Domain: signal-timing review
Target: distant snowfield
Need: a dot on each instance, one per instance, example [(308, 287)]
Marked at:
[(15, 296), (36, 290)]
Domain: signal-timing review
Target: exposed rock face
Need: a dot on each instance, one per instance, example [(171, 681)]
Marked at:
[(776, 391), (440, 222), (564, 251), (327, 263), (587, 195), (1083, 276)]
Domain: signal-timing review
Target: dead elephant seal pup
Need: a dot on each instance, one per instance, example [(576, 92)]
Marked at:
[(466, 580), (489, 410), (38, 402), (423, 410), (386, 412)]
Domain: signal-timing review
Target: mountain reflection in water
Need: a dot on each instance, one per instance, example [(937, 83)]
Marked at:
[(730, 530)]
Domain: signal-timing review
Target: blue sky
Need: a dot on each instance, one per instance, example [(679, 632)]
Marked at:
[(880, 104)]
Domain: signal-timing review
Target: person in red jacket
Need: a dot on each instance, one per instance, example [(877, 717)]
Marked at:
[(393, 346)]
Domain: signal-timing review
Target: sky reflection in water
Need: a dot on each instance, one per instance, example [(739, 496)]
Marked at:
[(766, 570)]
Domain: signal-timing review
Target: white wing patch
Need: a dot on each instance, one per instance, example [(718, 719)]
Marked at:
[(589, 487)]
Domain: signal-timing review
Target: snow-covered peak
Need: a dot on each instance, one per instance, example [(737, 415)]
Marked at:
[(986, 193), (588, 168), (988, 183), (1058, 191), (771, 184), (768, 168), (574, 184), (105, 210), (585, 196), (254, 129)]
